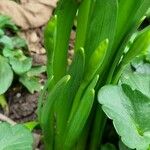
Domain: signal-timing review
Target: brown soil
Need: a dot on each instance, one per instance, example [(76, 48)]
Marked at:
[(23, 106)]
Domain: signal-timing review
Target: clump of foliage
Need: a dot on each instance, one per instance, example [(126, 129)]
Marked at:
[(69, 112), (13, 60)]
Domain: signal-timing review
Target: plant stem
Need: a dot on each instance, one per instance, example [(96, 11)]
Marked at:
[(4, 104), (98, 127)]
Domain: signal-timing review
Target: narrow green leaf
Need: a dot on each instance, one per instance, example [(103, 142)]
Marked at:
[(96, 60), (42, 97), (47, 116), (92, 69), (3, 103), (65, 12), (135, 10), (78, 65), (64, 103), (102, 26), (140, 45), (127, 24), (77, 122), (84, 13), (50, 43)]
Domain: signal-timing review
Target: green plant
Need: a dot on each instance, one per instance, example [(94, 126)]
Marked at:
[(68, 111), (13, 60)]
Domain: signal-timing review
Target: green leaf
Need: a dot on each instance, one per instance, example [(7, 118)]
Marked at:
[(96, 60), (108, 146), (3, 103), (1, 32), (141, 64), (18, 42), (30, 79), (148, 13), (31, 125), (31, 83), (78, 120), (5, 22), (129, 109), (65, 12), (7, 52), (15, 137), (42, 97), (20, 66), (135, 10), (6, 42), (83, 18), (65, 102), (19, 62), (78, 63), (91, 70), (137, 81), (102, 26), (6, 75), (47, 116), (35, 71), (140, 45), (50, 43), (127, 24)]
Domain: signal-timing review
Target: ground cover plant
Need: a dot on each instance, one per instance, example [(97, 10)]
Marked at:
[(14, 59), (15, 63), (107, 40)]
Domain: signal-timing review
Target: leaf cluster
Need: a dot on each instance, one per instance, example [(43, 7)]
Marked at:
[(13, 60)]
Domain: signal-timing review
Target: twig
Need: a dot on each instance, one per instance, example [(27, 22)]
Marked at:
[(6, 119)]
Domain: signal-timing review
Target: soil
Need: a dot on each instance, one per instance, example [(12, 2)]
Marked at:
[(22, 106)]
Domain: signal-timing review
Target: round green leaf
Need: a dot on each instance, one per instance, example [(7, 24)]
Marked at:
[(15, 137), (21, 66), (137, 81), (129, 109), (6, 75)]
